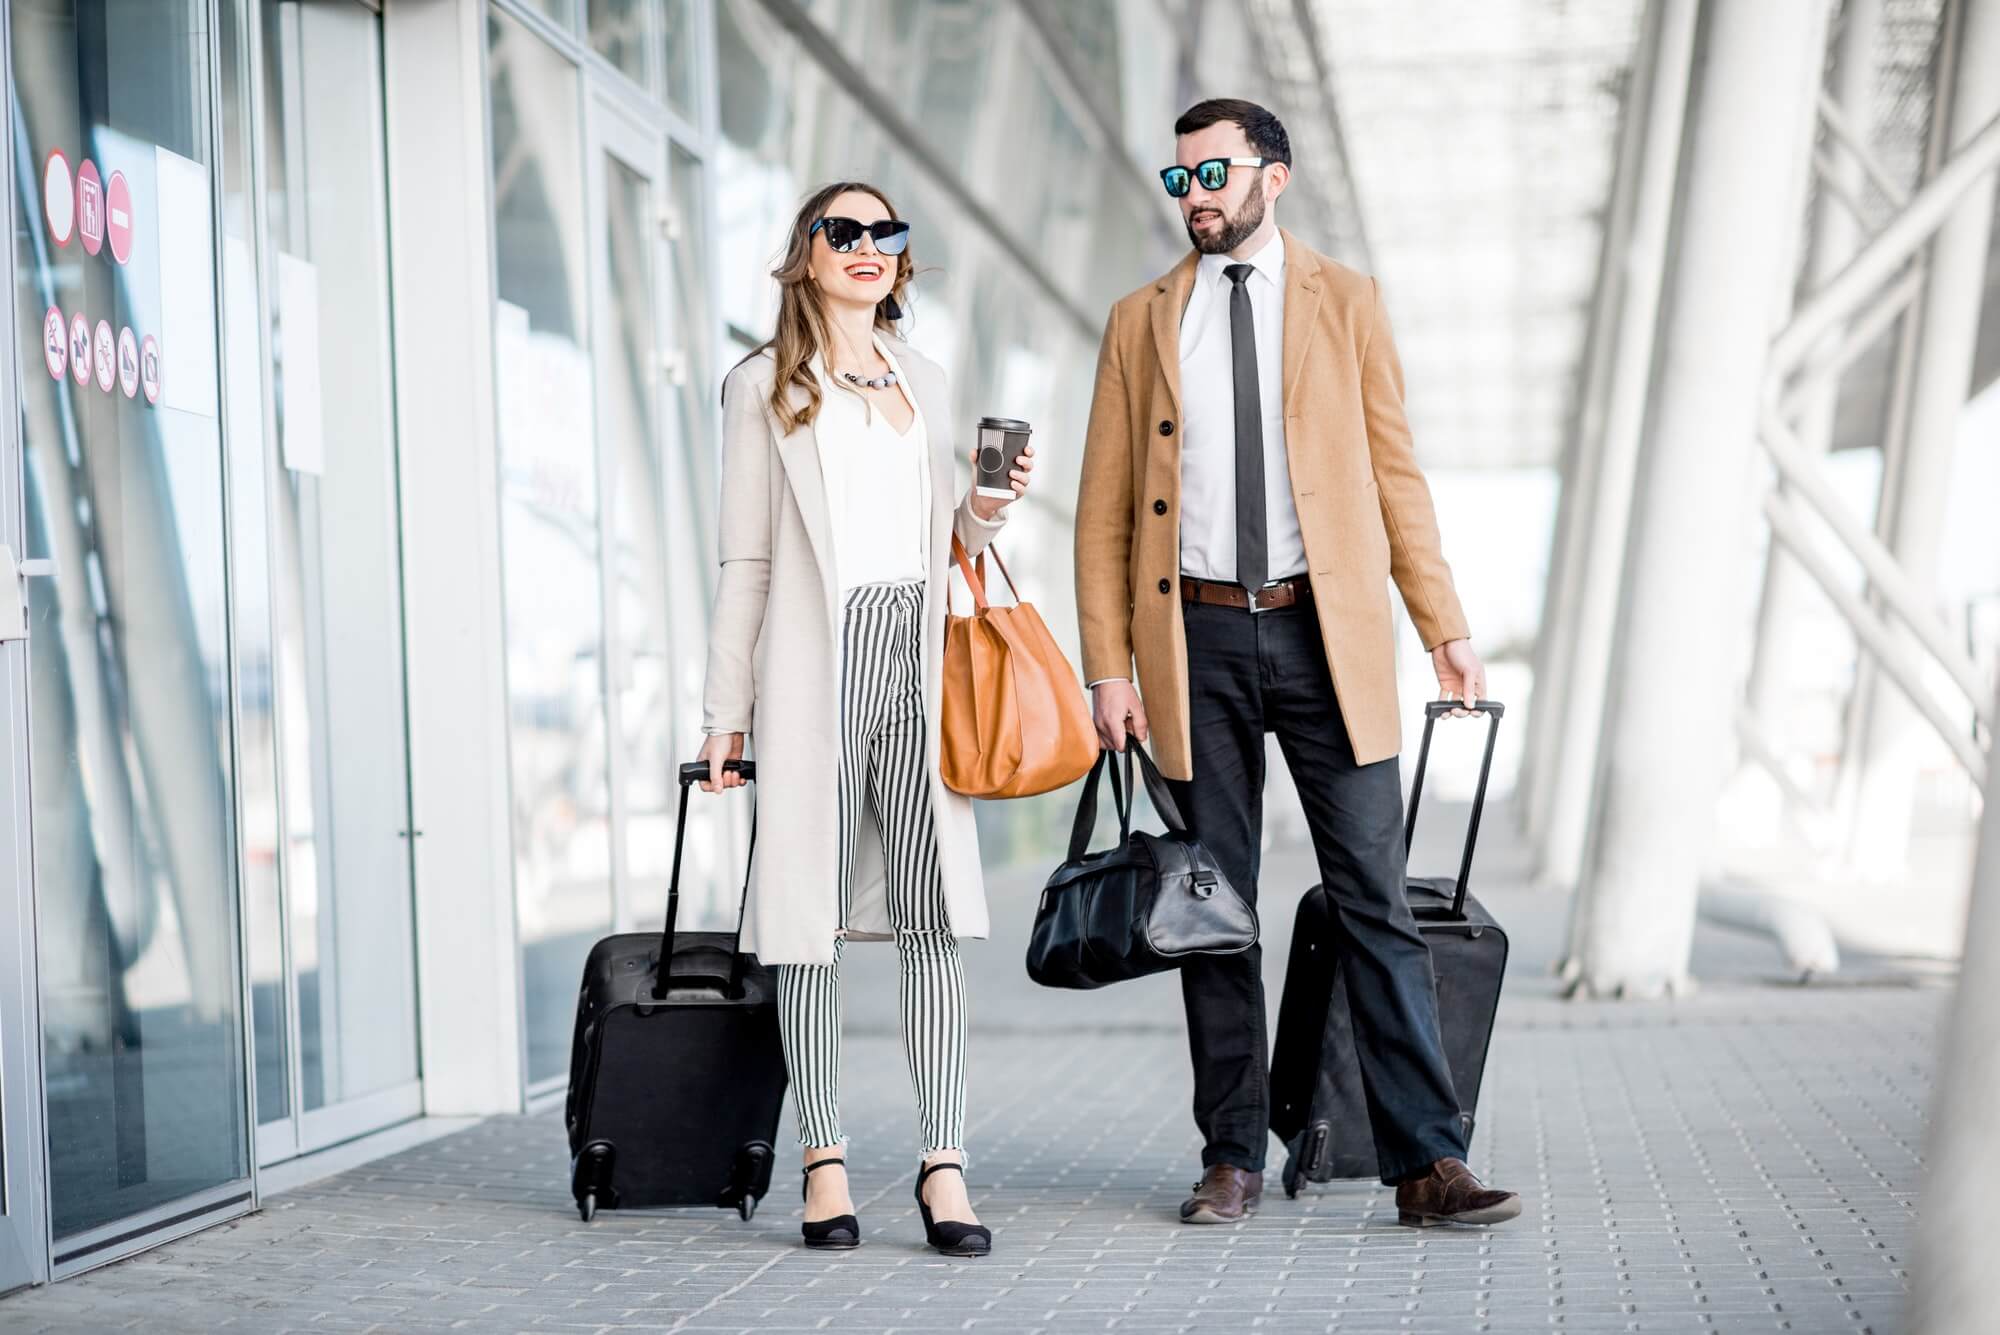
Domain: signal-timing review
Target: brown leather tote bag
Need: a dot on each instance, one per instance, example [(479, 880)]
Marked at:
[(1015, 722)]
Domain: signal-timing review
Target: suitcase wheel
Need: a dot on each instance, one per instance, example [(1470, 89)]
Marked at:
[(746, 1208), (1295, 1177), (590, 1178)]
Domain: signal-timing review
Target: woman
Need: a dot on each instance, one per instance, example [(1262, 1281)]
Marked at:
[(835, 529)]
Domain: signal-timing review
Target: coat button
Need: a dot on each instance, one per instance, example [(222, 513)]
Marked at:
[(1166, 428), (1159, 507), (1166, 586)]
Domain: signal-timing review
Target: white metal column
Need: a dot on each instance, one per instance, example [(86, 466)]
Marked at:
[(1950, 1282), (441, 252), (1836, 233), (1555, 640), (1893, 735), (1673, 686), (1576, 714)]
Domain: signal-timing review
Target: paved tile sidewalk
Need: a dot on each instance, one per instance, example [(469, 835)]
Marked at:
[(1746, 1160)]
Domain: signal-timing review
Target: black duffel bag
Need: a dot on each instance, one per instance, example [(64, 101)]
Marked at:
[(1139, 908)]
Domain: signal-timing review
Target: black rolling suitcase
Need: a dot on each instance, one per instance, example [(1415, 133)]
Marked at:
[(675, 1081), (1317, 1107)]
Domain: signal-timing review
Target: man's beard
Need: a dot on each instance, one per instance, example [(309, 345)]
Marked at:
[(1235, 231)]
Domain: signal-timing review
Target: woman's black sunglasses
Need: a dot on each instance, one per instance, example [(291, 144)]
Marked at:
[(891, 235), (1213, 174)]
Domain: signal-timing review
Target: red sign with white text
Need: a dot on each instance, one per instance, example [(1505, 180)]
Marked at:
[(118, 216)]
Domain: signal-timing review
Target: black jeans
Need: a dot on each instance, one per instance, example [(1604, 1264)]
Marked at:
[(1249, 674)]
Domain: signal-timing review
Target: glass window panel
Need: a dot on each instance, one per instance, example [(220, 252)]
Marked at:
[(335, 538), (549, 533), (630, 442), (680, 41), (622, 31), (250, 575), (128, 665), (562, 11)]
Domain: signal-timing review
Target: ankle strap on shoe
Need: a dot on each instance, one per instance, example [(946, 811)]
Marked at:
[(821, 1163), (938, 1167)]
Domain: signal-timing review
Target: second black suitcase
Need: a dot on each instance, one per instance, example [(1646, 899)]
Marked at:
[(1317, 1104), (676, 1076)]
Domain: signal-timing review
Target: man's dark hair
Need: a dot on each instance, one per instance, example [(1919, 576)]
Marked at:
[(1265, 132)]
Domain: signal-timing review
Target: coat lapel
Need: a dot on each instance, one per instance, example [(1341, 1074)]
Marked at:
[(1170, 299), (1301, 312), (798, 451)]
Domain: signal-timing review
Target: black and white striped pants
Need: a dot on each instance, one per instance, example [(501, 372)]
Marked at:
[(882, 763)]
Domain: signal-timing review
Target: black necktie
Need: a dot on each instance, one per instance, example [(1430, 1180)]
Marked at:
[(1253, 562)]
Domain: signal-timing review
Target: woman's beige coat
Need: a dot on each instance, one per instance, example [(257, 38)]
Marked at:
[(774, 669)]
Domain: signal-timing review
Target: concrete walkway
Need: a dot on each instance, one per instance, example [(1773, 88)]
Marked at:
[(1744, 1160)]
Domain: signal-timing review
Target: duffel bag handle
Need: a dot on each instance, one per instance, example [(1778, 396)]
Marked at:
[(1085, 824), (1156, 785), (1433, 711)]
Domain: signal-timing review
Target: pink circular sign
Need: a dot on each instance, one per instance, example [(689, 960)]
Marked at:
[(105, 349), (59, 196), (90, 206), (79, 349), (55, 342), (149, 369), (118, 216), (128, 362)]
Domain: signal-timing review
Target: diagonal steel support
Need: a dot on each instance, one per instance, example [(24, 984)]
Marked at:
[(1900, 667), (1856, 144), (1888, 251), (1829, 364), (1899, 592)]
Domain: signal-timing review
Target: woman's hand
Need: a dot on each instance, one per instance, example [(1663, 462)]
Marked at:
[(718, 748), (988, 506)]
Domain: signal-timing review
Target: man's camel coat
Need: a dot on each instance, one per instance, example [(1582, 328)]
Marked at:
[(1363, 506)]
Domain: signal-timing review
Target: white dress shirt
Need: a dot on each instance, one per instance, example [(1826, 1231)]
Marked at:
[(1208, 419), (877, 482)]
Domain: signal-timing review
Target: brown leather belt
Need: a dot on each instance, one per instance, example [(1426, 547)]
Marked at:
[(1278, 593)]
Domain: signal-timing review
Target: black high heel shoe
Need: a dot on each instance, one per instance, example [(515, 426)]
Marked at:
[(950, 1236), (839, 1233)]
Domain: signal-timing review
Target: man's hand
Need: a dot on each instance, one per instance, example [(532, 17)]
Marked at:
[(1461, 676), (1115, 704), (718, 748)]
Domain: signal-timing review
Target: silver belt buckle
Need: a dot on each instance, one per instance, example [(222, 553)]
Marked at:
[(1254, 596)]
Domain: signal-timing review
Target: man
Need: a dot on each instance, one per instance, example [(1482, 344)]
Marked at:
[(1248, 491)]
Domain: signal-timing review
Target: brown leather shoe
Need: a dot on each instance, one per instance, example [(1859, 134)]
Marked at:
[(1225, 1195), (1450, 1194)]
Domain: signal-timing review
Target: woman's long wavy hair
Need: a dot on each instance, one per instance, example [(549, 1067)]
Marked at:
[(802, 324)]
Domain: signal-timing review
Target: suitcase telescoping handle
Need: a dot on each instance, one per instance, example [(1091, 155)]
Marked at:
[(692, 773), (1433, 711)]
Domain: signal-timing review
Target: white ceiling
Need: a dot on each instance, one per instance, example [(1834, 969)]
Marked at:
[(1480, 135)]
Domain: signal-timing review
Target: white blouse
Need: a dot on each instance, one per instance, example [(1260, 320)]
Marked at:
[(877, 482)]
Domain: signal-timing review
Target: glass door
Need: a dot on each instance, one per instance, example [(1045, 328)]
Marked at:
[(131, 774), (339, 1011), (23, 1204), (626, 160), (650, 471)]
